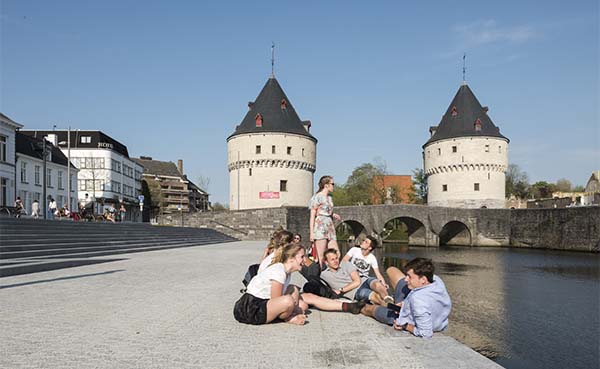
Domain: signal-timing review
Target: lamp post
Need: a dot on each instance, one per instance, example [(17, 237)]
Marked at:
[(44, 174), (68, 167)]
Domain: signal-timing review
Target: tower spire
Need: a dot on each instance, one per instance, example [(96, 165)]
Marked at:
[(272, 59), (464, 70)]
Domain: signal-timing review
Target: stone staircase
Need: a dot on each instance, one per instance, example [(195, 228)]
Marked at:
[(33, 245)]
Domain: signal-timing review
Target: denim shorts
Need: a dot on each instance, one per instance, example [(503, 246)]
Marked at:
[(386, 315), (364, 291)]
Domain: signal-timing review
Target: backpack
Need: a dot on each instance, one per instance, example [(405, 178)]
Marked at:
[(319, 287), (250, 273)]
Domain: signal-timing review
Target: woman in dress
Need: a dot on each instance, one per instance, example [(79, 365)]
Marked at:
[(322, 229)]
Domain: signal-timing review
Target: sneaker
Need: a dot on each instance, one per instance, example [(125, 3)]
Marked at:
[(388, 299), (356, 307)]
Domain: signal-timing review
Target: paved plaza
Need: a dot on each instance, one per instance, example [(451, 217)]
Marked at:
[(173, 309)]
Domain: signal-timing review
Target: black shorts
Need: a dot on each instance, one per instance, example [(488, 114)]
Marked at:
[(250, 310)]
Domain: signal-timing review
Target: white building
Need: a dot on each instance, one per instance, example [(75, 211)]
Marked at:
[(465, 159), (271, 154), (30, 171), (8, 128), (106, 173)]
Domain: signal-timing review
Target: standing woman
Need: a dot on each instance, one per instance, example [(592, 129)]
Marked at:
[(322, 229)]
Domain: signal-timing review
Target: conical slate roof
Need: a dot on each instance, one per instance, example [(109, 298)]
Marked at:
[(463, 115), (276, 111)]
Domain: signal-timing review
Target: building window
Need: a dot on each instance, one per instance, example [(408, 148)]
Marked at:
[(428, 154), (439, 151), (250, 172), (477, 125), (454, 111), (499, 149), (259, 120), (59, 178), (476, 186), (3, 191), (289, 150), (23, 172), (487, 148), (48, 177), (273, 149), (86, 139), (81, 184), (283, 104), (115, 165), (488, 175), (258, 149), (2, 148), (36, 174), (445, 188), (454, 149), (115, 186), (283, 186), (303, 152)]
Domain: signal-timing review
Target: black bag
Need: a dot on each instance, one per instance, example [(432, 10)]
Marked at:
[(319, 287), (250, 273), (311, 272)]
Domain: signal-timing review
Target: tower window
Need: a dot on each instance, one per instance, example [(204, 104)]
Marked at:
[(303, 152), (259, 120), (445, 188), (454, 149), (488, 175), (476, 186), (283, 104), (289, 150), (439, 151), (283, 185), (477, 125), (499, 149), (250, 172), (258, 149), (273, 149), (454, 111), (487, 148)]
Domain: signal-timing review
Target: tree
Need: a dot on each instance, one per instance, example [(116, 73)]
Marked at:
[(421, 190), (579, 188), (517, 182), (217, 206), (359, 186), (203, 182), (542, 190), (563, 185)]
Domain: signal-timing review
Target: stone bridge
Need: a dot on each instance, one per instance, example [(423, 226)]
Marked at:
[(564, 229)]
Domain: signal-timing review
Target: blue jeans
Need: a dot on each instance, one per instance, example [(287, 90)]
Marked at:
[(50, 214), (386, 315), (364, 291)]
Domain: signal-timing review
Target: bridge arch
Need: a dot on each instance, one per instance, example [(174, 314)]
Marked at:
[(455, 233), (353, 227), (415, 229)]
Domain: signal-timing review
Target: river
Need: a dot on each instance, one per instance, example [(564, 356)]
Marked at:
[(524, 309)]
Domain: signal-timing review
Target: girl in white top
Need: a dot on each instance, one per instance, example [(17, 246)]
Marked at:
[(267, 297), (279, 239)]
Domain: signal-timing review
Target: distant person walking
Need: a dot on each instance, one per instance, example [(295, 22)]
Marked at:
[(35, 209), (52, 208), (322, 229)]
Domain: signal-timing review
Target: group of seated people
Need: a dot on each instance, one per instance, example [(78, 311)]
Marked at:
[(419, 304)]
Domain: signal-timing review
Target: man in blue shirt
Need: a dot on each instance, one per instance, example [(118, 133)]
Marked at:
[(422, 297)]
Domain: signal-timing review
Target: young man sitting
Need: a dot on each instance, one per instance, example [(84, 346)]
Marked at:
[(345, 281), (422, 296)]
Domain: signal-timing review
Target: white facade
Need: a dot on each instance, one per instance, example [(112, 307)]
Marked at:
[(270, 170), (30, 182), (466, 172), (107, 175), (7, 160)]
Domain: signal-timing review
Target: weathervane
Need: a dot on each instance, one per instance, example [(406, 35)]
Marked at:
[(464, 78), (272, 59)]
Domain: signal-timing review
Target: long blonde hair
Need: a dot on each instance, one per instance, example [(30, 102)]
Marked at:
[(286, 252), (323, 181)]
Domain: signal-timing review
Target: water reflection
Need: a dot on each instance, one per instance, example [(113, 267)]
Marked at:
[(522, 308)]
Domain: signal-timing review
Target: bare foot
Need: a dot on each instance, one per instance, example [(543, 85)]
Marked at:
[(298, 319)]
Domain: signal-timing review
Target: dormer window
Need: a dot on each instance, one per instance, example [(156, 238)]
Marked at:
[(258, 119), (283, 104), (454, 111), (477, 125)]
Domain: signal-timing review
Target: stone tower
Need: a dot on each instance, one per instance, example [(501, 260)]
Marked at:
[(271, 154), (466, 157)]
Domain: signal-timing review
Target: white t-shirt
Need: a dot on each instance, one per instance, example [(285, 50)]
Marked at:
[(266, 262), (362, 263), (260, 285)]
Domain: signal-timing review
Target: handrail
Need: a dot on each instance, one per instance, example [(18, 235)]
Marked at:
[(229, 227)]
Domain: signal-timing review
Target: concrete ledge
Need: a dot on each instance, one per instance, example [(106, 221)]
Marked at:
[(173, 309)]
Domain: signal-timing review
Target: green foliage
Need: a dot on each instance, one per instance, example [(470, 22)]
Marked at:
[(217, 206), (359, 186), (340, 195), (419, 195), (579, 188), (542, 190), (563, 185), (517, 182)]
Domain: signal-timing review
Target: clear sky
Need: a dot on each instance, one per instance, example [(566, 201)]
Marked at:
[(171, 79)]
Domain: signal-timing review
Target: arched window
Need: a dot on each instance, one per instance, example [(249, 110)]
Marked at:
[(477, 125), (259, 120)]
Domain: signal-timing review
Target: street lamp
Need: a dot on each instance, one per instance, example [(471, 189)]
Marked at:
[(68, 166)]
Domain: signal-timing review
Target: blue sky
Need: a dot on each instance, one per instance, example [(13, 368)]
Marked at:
[(171, 80)]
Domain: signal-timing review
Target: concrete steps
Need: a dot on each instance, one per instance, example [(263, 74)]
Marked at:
[(30, 245)]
